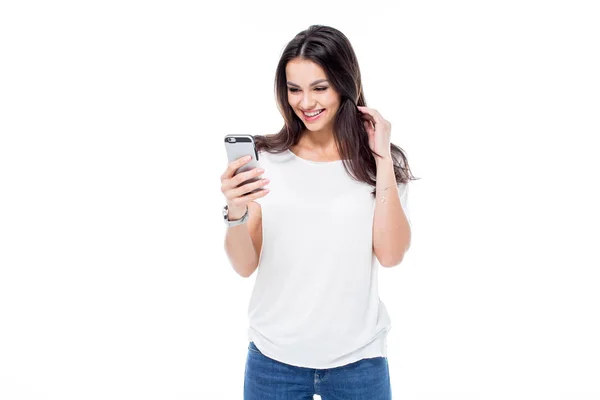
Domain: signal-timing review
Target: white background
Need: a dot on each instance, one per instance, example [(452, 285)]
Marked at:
[(114, 283)]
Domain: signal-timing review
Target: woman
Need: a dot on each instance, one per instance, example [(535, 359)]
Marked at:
[(317, 325)]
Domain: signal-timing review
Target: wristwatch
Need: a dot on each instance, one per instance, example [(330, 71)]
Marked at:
[(235, 222)]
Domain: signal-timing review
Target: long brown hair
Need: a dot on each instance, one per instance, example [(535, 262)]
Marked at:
[(331, 49)]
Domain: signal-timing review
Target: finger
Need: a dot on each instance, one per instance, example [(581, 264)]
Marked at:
[(243, 192), (234, 166), (246, 175), (367, 117), (240, 178), (249, 197), (372, 112)]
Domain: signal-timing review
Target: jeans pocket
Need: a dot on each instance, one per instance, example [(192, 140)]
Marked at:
[(253, 348)]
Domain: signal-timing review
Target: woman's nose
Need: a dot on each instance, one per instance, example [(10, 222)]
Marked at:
[(307, 102)]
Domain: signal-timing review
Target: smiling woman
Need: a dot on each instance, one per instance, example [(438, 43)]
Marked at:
[(315, 311)]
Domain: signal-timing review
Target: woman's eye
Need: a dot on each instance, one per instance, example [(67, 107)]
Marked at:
[(320, 89)]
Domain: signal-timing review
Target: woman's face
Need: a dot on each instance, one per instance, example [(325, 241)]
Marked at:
[(309, 91)]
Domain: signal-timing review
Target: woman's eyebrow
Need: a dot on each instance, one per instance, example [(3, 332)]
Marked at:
[(312, 84)]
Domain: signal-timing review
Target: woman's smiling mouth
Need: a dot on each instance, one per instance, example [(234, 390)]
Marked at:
[(313, 115)]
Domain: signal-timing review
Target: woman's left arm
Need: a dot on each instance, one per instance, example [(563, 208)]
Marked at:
[(391, 230)]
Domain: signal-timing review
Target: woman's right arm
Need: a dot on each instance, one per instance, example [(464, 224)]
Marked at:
[(243, 243)]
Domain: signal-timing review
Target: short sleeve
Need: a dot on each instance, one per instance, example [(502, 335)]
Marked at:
[(403, 194)]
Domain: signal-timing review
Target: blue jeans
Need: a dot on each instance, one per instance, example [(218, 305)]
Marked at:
[(268, 379)]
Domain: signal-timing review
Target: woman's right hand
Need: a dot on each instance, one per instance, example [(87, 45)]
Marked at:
[(237, 200)]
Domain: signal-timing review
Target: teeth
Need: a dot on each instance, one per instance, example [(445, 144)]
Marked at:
[(313, 114)]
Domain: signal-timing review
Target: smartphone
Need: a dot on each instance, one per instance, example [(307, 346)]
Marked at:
[(238, 146)]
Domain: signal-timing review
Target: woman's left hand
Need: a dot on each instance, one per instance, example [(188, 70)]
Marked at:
[(379, 131)]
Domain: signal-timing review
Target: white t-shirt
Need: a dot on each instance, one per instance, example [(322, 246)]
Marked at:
[(315, 301)]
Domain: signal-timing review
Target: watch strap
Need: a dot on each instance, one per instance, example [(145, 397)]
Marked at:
[(234, 222)]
